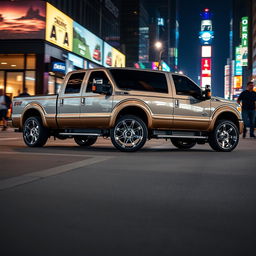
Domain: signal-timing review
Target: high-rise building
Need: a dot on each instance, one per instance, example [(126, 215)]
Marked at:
[(239, 62), (206, 36), (164, 27), (134, 31), (252, 39), (143, 22)]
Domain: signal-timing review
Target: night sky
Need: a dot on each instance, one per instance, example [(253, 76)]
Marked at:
[(189, 44)]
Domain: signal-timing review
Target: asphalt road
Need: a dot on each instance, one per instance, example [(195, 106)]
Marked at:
[(66, 200)]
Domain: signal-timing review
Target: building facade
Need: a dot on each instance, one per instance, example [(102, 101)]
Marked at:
[(238, 70), (41, 41)]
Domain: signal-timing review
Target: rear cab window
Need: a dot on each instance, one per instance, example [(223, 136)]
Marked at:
[(140, 80)]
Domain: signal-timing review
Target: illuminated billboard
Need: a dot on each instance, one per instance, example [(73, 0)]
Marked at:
[(59, 28), (113, 57), (238, 82), (244, 42), (238, 62), (108, 56), (86, 44), (206, 51), (22, 20), (206, 81), (205, 67)]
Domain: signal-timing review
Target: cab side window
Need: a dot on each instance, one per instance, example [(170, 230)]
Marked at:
[(185, 86), (97, 75), (74, 83)]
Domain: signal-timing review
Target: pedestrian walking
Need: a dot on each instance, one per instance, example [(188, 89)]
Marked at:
[(5, 104), (248, 99)]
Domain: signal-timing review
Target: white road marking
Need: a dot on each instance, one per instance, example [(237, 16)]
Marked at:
[(8, 138), (44, 154), (30, 177)]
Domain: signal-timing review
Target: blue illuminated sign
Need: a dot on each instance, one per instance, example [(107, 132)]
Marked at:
[(59, 67), (206, 37)]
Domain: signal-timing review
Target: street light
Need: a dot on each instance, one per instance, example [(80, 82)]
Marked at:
[(159, 47)]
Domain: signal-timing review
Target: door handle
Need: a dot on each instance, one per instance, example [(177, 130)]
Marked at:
[(83, 101), (61, 101), (177, 103)]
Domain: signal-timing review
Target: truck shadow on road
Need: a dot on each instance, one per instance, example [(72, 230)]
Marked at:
[(103, 149)]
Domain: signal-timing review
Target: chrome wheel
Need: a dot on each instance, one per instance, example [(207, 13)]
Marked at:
[(224, 137), (34, 133), (129, 134), (31, 132)]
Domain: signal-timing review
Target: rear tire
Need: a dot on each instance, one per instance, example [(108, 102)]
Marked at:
[(85, 141), (34, 133), (224, 137), (129, 134), (183, 143)]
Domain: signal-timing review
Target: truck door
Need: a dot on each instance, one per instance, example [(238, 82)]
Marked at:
[(96, 108), (190, 112), (69, 101)]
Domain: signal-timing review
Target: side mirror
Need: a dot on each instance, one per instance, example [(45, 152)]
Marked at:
[(207, 92), (99, 87)]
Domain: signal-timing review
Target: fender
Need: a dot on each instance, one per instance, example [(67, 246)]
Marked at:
[(223, 109), (131, 103), (39, 108)]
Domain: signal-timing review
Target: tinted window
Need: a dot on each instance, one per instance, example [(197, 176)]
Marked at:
[(74, 83), (185, 86), (140, 80), (97, 75)]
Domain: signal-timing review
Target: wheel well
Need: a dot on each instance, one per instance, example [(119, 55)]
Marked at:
[(228, 116), (29, 113), (136, 111)]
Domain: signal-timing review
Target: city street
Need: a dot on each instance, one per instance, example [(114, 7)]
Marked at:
[(67, 200)]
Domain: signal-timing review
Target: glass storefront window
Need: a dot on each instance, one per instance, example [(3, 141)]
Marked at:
[(11, 61), (1, 79), (59, 82), (30, 82), (14, 83), (51, 85), (31, 61)]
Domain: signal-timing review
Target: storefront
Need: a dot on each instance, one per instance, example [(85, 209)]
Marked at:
[(39, 44), (17, 71)]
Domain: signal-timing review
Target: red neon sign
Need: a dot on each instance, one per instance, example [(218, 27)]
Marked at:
[(206, 67)]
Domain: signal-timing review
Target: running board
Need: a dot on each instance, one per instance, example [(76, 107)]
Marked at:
[(79, 134), (181, 136)]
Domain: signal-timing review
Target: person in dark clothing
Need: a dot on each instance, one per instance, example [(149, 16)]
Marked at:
[(248, 99), (24, 93), (5, 104)]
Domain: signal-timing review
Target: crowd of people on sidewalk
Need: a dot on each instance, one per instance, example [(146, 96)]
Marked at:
[(247, 99)]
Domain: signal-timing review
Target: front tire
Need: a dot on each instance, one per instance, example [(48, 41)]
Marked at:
[(85, 141), (129, 134), (224, 137), (34, 133), (183, 143)]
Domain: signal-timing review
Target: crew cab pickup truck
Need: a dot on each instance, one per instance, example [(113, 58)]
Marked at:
[(130, 106)]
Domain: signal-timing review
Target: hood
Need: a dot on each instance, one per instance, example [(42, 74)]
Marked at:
[(214, 98)]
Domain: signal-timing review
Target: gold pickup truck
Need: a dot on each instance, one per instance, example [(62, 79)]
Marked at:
[(130, 106)]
